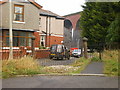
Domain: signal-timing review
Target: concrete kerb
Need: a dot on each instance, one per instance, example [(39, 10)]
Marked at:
[(102, 75)]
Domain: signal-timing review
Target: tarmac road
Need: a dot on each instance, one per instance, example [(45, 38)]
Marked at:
[(61, 82)]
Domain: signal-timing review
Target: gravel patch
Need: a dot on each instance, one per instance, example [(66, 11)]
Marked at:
[(60, 69)]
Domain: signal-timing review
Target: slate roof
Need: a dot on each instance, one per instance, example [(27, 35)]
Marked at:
[(50, 14)]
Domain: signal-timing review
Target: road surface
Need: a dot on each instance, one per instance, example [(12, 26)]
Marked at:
[(61, 82), (64, 81)]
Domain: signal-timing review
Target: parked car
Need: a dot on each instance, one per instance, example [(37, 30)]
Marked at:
[(76, 53), (59, 51)]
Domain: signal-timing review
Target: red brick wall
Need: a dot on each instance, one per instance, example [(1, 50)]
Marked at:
[(5, 54), (50, 40), (37, 39), (42, 53), (54, 40)]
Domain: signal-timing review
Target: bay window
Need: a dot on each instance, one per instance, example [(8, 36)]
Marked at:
[(20, 38)]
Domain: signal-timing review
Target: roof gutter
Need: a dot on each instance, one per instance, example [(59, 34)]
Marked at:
[(57, 17), (31, 30), (47, 15)]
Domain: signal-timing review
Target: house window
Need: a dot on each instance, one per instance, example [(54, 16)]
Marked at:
[(19, 13), (20, 38), (42, 42)]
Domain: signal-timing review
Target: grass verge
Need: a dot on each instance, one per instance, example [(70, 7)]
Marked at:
[(23, 66), (29, 66), (111, 65)]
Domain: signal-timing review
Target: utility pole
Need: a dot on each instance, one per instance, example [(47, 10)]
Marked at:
[(46, 31), (49, 30), (10, 32)]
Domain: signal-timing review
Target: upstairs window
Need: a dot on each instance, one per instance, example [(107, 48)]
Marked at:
[(19, 13)]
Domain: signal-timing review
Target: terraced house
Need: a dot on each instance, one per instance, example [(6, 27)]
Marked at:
[(51, 28)]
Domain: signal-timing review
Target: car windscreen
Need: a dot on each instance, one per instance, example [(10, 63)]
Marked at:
[(59, 48), (53, 48), (77, 50)]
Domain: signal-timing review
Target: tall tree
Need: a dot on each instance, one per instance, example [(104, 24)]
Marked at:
[(95, 20), (114, 28)]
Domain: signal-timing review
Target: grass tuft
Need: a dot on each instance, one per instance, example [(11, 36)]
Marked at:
[(81, 63), (111, 65), (95, 58), (23, 66)]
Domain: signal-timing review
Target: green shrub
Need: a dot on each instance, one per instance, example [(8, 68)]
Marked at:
[(95, 59), (111, 65), (42, 47)]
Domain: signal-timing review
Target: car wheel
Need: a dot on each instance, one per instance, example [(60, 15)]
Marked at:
[(61, 58), (68, 58), (50, 57)]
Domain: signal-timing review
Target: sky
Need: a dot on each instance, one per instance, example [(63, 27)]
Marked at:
[(62, 7)]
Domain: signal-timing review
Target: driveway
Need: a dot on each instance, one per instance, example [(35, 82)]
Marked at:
[(61, 82)]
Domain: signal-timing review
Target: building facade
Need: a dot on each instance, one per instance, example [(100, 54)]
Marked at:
[(28, 20), (25, 21), (51, 28)]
